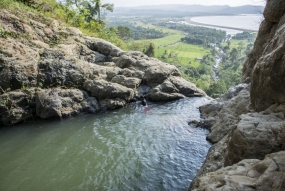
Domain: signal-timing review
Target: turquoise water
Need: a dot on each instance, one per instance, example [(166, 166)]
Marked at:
[(125, 149)]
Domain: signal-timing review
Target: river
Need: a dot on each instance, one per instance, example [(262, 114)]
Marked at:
[(231, 24), (125, 149)]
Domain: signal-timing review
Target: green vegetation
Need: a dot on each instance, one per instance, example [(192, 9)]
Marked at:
[(198, 35), (87, 16), (192, 49), (138, 32)]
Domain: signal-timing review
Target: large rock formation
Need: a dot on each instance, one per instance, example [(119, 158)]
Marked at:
[(248, 124), (49, 70)]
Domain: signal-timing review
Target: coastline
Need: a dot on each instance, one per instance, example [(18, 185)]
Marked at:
[(188, 20)]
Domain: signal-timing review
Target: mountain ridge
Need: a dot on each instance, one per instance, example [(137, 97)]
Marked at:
[(178, 9)]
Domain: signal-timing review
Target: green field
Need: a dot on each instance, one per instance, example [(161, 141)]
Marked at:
[(186, 53)]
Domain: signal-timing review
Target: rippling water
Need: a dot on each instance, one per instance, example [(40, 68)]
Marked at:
[(126, 149)]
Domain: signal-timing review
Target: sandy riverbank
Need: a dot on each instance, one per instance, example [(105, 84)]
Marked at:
[(188, 20)]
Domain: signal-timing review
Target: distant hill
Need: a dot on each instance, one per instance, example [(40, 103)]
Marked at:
[(246, 9), (185, 10)]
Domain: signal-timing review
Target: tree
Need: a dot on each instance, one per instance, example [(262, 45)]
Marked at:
[(150, 51), (234, 54), (91, 9), (123, 32), (217, 88)]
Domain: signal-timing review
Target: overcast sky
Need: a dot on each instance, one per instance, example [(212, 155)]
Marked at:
[(132, 3)]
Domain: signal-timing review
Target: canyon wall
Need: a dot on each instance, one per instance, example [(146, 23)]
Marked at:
[(247, 124)]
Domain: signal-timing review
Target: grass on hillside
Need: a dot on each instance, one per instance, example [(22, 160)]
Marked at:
[(186, 53), (166, 30), (64, 15)]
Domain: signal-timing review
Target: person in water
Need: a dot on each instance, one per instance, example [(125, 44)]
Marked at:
[(143, 101)]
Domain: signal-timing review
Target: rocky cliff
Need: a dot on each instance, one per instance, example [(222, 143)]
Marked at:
[(50, 70), (247, 124)]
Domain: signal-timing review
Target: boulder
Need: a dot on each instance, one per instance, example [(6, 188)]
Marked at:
[(129, 82), (185, 87), (228, 116), (63, 102), (249, 174), (102, 89), (18, 65), (112, 104), (173, 89), (102, 46), (256, 135), (158, 73), (17, 106)]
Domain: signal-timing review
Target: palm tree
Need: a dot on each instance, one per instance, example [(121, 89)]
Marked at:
[(94, 7)]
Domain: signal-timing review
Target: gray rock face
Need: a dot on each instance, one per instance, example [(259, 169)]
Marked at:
[(249, 174), (108, 90), (248, 129), (55, 60), (265, 131), (228, 116), (17, 106), (274, 10), (269, 74), (62, 103)]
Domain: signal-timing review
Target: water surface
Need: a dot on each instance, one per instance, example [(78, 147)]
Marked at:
[(249, 22), (126, 149)]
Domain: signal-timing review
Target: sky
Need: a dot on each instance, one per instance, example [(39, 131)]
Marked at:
[(133, 3)]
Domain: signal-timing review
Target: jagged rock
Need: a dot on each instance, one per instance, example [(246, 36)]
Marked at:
[(232, 92), (102, 46), (244, 128), (274, 10), (173, 89), (228, 116), (215, 160), (260, 43), (125, 61), (157, 94), (106, 90), (184, 87), (17, 106), (269, 74), (53, 55), (249, 174), (127, 81), (17, 71), (112, 104), (256, 135), (157, 74), (61, 103)]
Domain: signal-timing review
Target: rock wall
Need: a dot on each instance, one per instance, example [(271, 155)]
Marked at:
[(49, 70), (247, 124)]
